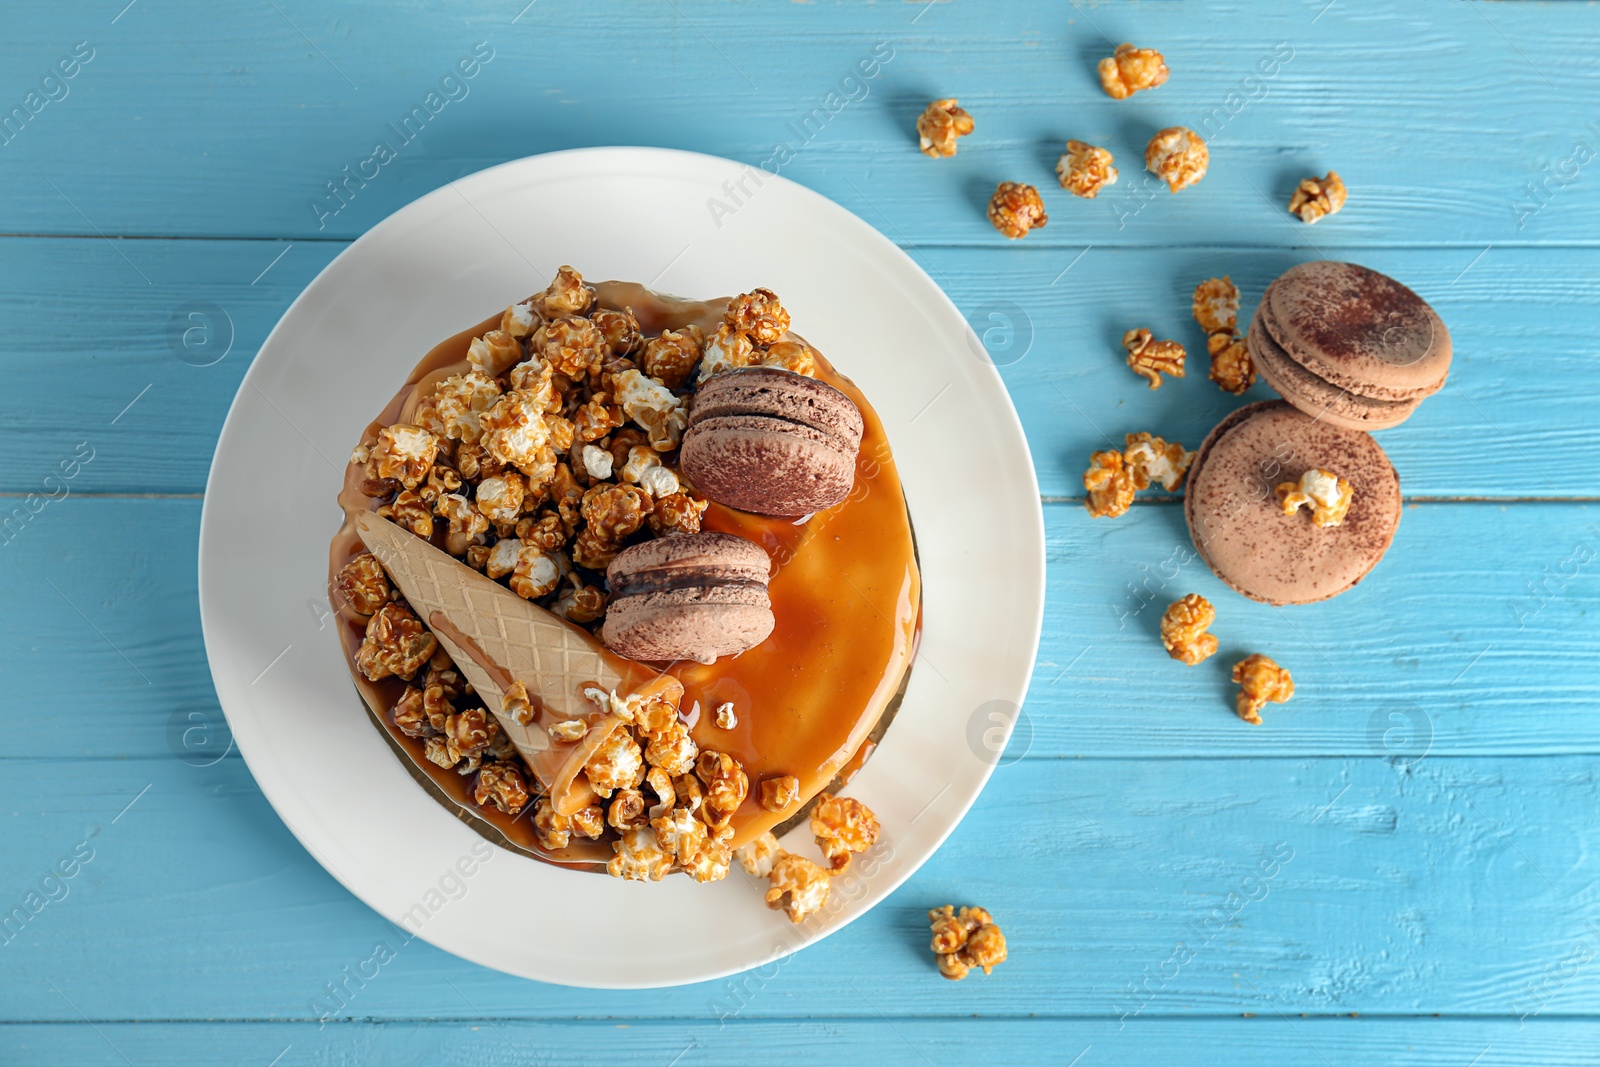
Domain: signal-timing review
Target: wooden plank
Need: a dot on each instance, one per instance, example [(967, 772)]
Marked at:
[(234, 127), (1510, 423), (1128, 889), (1259, 1042), (1459, 643)]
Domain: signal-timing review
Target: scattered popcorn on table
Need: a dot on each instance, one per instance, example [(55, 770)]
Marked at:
[(1084, 170), (1155, 462), (1150, 359), (964, 940), (940, 123), (1177, 156), (1110, 484), (1130, 70), (1318, 197), (1232, 368), (1328, 495), (1260, 680), (1183, 629), (1216, 305), (1015, 208)]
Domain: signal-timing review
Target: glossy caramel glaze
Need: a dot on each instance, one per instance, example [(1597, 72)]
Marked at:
[(846, 595)]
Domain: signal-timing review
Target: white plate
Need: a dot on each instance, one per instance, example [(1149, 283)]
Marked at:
[(443, 263)]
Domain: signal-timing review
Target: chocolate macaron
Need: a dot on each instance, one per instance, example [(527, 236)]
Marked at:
[(772, 442), (1238, 522), (688, 597), (1349, 345)]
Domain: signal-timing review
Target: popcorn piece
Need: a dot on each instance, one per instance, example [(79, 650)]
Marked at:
[(672, 356), (626, 810), (459, 403), (1016, 208), (574, 346), (757, 856), (470, 732), (1328, 494), (660, 783), (639, 856), (619, 332), (568, 730), (797, 886), (546, 532), (582, 604), (440, 688), (1110, 484), (362, 584), (501, 784), (553, 829), (404, 453), (617, 764), (672, 750), (410, 717), (1183, 629), (710, 862), (644, 469), (679, 833), (1231, 366), (1084, 170), (1130, 70), (780, 794), (940, 123), (438, 751), (517, 706), (589, 822), (536, 573), (1154, 462), (500, 498), (1260, 680), (677, 513), (494, 353), (758, 315), (515, 433), (410, 511), (728, 349), (726, 786), (1150, 359), (727, 718), (597, 417), (1317, 197), (597, 462), (791, 356), (441, 480), (501, 560), (396, 643), (566, 294), (466, 523), (965, 940), (614, 512), (653, 406), (1177, 156), (1216, 305), (843, 826), (519, 320)]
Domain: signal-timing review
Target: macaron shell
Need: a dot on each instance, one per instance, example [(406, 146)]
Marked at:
[(1359, 329), (696, 624), (1239, 527), (706, 558), (765, 465), (1316, 396), (779, 394)]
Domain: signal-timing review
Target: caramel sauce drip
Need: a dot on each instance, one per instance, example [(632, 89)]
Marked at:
[(846, 595)]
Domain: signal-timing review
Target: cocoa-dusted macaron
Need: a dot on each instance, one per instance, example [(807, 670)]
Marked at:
[(1348, 344), (688, 597), (771, 441), (1237, 519)]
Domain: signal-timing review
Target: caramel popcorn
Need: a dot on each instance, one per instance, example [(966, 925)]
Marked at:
[(617, 764), (469, 732), (519, 320), (1155, 462), (1183, 629), (759, 316), (500, 498), (728, 349), (940, 123), (653, 406), (671, 357), (1216, 305), (727, 718), (644, 469), (396, 643), (672, 749), (503, 785), (1150, 358), (515, 433), (1317, 197), (660, 783), (843, 826), (1016, 208), (499, 560), (1130, 70), (553, 829), (438, 750), (614, 512), (1260, 680), (404, 453), (1084, 170), (1177, 156), (545, 532), (619, 331), (409, 510), (461, 515), (535, 574), (679, 833), (797, 886), (567, 730), (1328, 494), (410, 717), (726, 786), (677, 513), (567, 294), (589, 822), (639, 856), (1110, 484), (627, 810), (363, 585), (493, 353), (791, 356), (582, 604), (1231, 365), (781, 793), (516, 705), (441, 480), (574, 346), (965, 940), (758, 855)]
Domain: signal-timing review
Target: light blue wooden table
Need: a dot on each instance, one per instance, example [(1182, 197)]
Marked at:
[(1430, 795)]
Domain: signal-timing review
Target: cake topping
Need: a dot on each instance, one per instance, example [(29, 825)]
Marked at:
[(843, 826), (1328, 495)]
